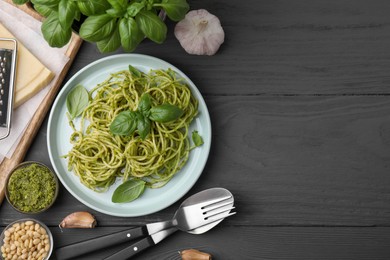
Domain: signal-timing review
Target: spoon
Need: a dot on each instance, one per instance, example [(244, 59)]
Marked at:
[(218, 211), (197, 214)]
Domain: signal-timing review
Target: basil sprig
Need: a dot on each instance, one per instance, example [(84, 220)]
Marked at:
[(127, 122), (109, 23)]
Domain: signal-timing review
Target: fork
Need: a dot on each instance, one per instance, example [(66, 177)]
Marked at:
[(196, 214), (210, 214)]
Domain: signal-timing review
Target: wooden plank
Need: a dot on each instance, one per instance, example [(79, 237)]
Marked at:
[(288, 160), (258, 243), (31, 130), (303, 160), (288, 47)]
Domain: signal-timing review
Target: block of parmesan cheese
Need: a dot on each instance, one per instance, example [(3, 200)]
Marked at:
[(31, 74)]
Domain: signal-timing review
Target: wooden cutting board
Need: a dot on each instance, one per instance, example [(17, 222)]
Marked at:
[(18, 156)]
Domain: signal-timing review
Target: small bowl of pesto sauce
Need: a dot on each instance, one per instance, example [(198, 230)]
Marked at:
[(31, 187)]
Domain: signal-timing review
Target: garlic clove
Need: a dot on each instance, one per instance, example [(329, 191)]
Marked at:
[(79, 219), (200, 33), (193, 254)]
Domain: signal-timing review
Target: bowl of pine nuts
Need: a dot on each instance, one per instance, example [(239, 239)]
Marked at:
[(26, 239)]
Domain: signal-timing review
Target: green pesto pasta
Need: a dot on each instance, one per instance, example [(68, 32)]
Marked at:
[(98, 157)]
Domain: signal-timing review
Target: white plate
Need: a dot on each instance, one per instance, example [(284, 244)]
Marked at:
[(152, 200)]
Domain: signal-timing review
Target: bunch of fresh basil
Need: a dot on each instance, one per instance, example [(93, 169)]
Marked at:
[(109, 23)]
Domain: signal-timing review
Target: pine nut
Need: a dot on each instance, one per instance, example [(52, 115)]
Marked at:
[(26, 240)]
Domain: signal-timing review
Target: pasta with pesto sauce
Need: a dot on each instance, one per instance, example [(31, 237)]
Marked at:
[(98, 157)]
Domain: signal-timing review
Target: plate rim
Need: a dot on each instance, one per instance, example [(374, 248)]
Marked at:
[(66, 87)]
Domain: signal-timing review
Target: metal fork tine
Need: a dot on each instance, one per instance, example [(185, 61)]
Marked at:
[(217, 218), (216, 206), (211, 214), (214, 201)]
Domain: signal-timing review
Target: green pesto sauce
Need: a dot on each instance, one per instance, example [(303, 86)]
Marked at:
[(31, 188)]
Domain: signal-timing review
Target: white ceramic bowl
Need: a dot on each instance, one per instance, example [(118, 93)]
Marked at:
[(50, 236)]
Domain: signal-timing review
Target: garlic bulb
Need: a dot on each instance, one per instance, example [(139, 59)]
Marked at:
[(200, 33)]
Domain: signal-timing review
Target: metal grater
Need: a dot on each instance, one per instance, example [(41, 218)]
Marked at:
[(7, 81)]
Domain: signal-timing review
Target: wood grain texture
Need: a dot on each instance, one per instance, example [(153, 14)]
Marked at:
[(260, 243), (8, 164), (303, 160), (299, 100), (288, 47)]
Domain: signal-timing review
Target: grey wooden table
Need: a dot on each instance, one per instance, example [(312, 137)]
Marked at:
[(299, 101)]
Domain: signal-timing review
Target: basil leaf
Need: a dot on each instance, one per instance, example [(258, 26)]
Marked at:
[(135, 71), (53, 32), (197, 139), (145, 104), (43, 10), (118, 4), (143, 126), (77, 15), (175, 9), (149, 5), (66, 13), (110, 43), (134, 8), (52, 4), (165, 113), (115, 13), (93, 7), (152, 26), (128, 191), (124, 123), (77, 100), (130, 34), (96, 28), (19, 2)]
